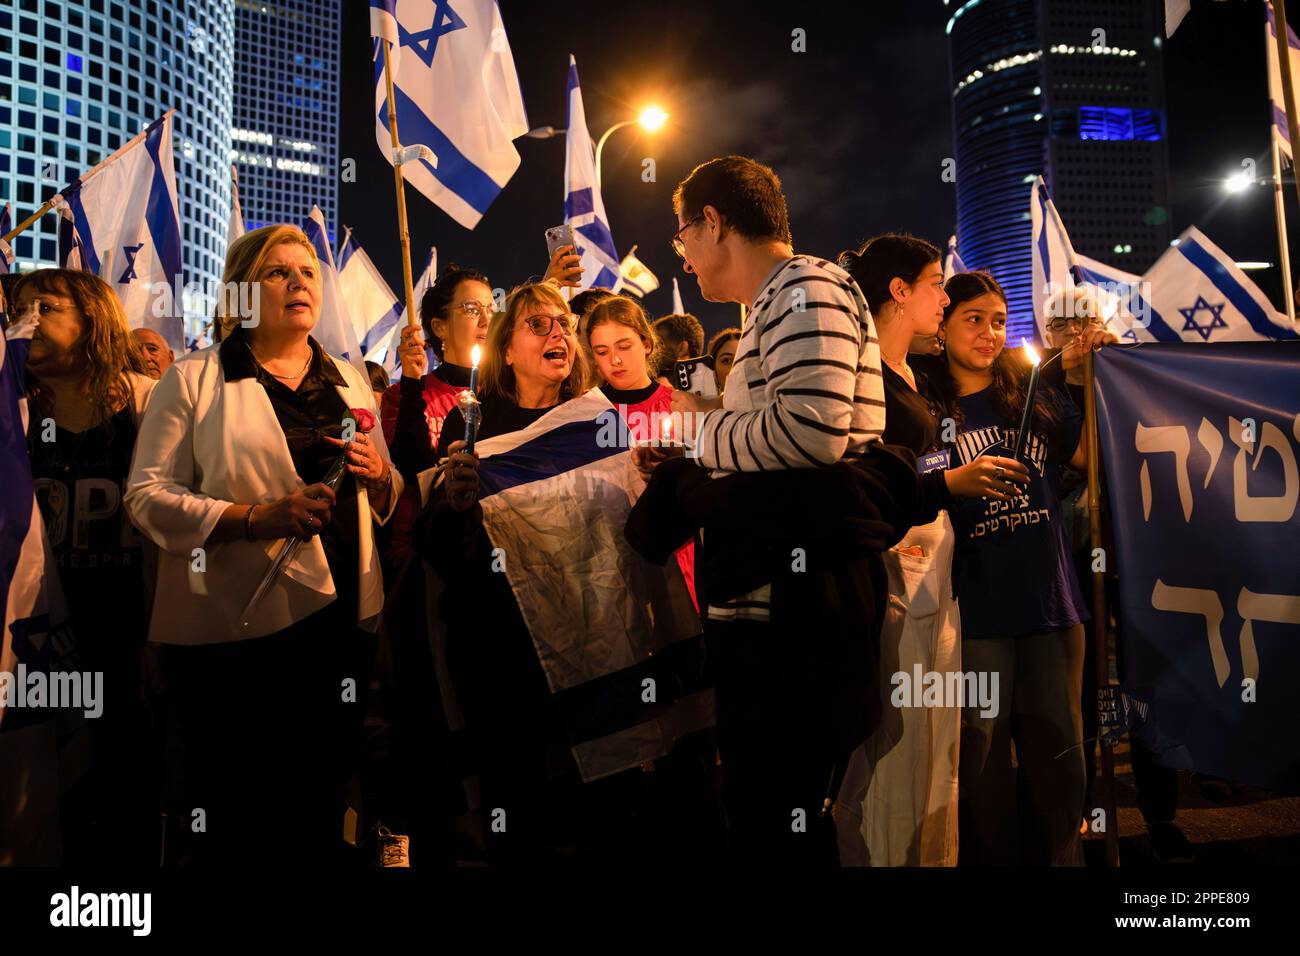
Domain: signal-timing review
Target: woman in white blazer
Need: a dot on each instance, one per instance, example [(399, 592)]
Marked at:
[(86, 395), (230, 463)]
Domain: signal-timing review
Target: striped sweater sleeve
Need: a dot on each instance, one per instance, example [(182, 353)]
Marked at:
[(807, 341)]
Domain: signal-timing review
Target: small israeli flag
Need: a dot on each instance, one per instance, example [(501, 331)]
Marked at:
[(371, 303), (583, 207), (334, 329), (637, 279)]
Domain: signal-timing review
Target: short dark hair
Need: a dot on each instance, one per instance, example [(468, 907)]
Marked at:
[(746, 193), (438, 298), (378, 377), (884, 258), (585, 301), (674, 329)]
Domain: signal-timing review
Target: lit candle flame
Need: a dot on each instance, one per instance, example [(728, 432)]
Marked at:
[(666, 428), (1029, 352), (474, 355)]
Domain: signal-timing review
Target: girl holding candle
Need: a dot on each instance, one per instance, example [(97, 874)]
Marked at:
[(230, 464), (1022, 611), (622, 341), (898, 803)]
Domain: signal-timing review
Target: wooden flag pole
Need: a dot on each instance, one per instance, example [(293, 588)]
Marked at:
[(1288, 90), (404, 233), (29, 221), (1100, 619), (1279, 209)]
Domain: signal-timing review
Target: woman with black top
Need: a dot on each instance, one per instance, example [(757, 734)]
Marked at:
[(1022, 610), (899, 799), (86, 392), (231, 463), (532, 364)]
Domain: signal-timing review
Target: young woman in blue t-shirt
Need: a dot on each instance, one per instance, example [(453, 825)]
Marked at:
[(1021, 606)]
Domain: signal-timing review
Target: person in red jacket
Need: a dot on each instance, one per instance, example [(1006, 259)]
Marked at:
[(621, 341)]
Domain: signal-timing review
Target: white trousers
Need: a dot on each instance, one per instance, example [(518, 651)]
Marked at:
[(897, 805)]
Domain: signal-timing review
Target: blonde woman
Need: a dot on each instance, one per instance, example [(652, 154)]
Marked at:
[(86, 392), (231, 462)]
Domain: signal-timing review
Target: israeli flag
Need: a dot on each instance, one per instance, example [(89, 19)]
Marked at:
[(637, 279), (583, 207), (235, 229), (1276, 96), (1053, 257), (456, 93), (371, 303), (6, 253), (1197, 294), (334, 330), (127, 230), (388, 356), (678, 308), (952, 263), (555, 497)]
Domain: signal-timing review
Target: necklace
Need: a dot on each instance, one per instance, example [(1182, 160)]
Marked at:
[(306, 365)]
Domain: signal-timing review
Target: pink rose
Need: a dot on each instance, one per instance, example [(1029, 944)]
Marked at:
[(364, 418)]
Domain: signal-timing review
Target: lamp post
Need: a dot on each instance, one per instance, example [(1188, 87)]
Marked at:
[(651, 119)]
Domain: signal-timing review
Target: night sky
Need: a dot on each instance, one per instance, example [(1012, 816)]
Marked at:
[(857, 127)]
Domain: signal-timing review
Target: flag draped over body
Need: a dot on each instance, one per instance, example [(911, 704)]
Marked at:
[(1200, 447), (555, 498), (584, 209), (455, 91), (126, 229)]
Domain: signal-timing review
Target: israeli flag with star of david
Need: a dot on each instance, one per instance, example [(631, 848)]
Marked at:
[(456, 92), (583, 207), (126, 229), (1197, 294), (952, 263)]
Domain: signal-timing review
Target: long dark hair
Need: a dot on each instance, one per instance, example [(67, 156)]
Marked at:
[(1010, 378), (884, 258)]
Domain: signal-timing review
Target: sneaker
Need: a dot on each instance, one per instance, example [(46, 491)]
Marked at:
[(1169, 845), (394, 848)]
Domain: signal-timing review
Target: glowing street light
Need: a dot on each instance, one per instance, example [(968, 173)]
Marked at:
[(1238, 182)]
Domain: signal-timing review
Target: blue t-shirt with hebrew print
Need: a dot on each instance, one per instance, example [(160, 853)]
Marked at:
[(1013, 573)]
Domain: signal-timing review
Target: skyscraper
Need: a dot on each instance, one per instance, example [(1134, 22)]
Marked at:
[(286, 99), (80, 77), (1071, 89)]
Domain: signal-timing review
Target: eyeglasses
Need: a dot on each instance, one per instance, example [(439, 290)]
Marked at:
[(477, 311), (543, 324), (1061, 323), (676, 242)]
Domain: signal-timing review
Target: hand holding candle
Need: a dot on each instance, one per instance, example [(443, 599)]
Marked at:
[(1022, 436), (469, 404)]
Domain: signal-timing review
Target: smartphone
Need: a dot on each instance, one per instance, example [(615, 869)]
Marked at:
[(557, 237), (695, 375)]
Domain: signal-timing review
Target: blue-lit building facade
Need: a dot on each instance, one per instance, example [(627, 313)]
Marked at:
[(1071, 89), (286, 100), (80, 77)]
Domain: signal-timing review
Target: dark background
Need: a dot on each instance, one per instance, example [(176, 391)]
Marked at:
[(857, 127)]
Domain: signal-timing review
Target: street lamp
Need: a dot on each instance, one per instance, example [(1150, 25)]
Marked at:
[(652, 118)]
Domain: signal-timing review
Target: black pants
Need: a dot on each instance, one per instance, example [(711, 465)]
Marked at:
[(268, 731), (776, 769)]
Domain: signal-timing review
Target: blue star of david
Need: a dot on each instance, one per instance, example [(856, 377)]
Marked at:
[(1216, 318), (130, 252), (425, 42)]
